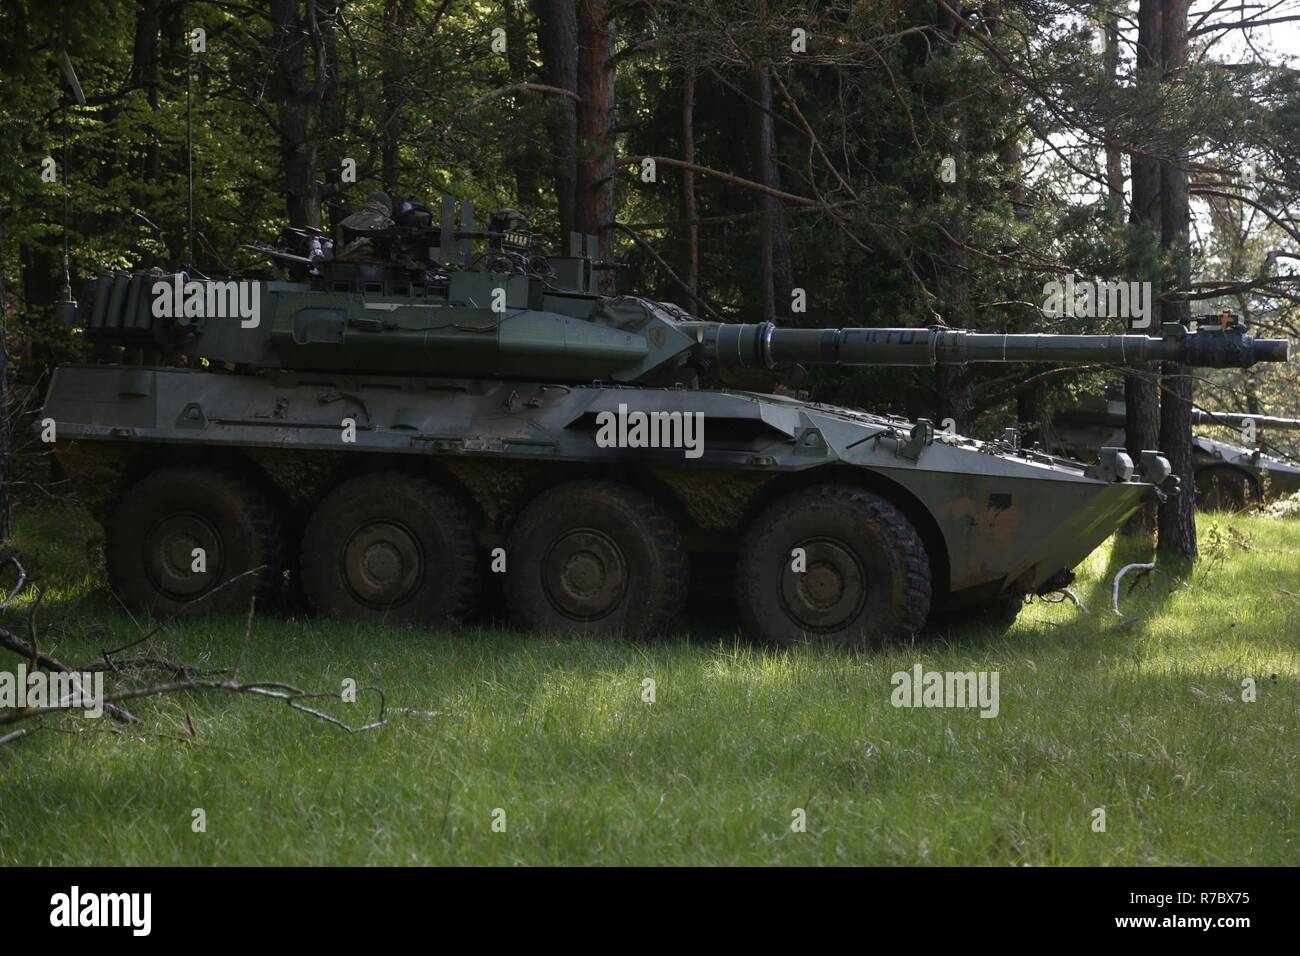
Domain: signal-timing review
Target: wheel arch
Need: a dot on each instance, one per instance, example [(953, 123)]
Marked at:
[(1228, 467), (910, 505)]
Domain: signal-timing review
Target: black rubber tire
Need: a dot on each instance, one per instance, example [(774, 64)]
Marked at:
[(1220, 488), (394, 547), (153, 529), (626, 568), (865, 577)]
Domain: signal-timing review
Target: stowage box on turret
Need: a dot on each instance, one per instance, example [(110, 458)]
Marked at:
[(394, 426)]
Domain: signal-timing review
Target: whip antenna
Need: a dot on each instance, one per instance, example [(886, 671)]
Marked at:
[(189, 153), (71, 76)]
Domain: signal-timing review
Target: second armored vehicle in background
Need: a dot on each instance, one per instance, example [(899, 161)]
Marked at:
[(1228, 476)]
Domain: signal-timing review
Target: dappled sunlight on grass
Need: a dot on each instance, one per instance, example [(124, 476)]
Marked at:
[(1140, 714)]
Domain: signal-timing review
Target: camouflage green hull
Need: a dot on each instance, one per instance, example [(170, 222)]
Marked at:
[(995, 520)]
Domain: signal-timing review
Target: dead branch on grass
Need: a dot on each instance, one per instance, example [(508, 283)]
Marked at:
[(178, 676)]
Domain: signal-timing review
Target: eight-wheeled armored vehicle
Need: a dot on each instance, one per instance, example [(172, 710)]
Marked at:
[(1227, 476), (390, 429)]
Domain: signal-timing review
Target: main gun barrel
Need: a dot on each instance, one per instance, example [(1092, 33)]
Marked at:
[(1239, 420), (764, 345)]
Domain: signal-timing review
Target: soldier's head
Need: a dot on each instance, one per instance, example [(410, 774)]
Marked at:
[(379, 202)]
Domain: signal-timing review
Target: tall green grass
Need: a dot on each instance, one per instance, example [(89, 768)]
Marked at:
[(1141, 716)]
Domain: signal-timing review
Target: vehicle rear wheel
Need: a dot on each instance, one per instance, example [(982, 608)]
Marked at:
[(833, 564), (1224, 489), (597, 558), (392, 546), (181, 532)]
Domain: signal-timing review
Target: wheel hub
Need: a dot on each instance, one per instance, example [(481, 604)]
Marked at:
[(175, 547), (382, 564), (585, 574), (831, 590)]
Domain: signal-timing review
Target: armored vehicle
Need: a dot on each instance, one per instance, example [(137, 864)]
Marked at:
[(391, 429), (1227, 476)]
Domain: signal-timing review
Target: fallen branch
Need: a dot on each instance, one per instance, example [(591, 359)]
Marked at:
[(186, 677), (12, 642)]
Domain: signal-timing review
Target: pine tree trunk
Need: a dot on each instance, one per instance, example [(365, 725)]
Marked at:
[(558, 36), (1141, 385), (5, 477), (526, 157), (396, 14), (773, 246), (1177, 534), (1114, 157), (297, 112), (689, 209), (595, 180)]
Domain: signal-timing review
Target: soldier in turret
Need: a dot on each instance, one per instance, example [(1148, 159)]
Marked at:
[(375, 215)]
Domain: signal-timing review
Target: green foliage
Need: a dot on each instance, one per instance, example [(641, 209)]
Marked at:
[(864, 121)]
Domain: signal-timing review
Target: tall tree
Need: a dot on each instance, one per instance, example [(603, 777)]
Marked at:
[(773, 244), (526, 158), (297, 48), (595, 167), (1177, 534), (1141, 385), (5, 476), (558, 36), (688, 207), (397, 14)]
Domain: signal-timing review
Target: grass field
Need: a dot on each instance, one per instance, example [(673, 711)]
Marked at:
[(1144, 719)]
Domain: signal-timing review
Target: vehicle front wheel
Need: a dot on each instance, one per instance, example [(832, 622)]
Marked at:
[(833, 564)]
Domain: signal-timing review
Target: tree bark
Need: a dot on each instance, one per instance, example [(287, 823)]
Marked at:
[(297, 102), (595, 167), (773, 245), (689, 209), (392, 82), (1031, 412), (5, 477), (527, 157), (558, 36), (332, 135), (1114, 157), (172, 66), (1141, 386), (954, 394), (1177, 535)]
